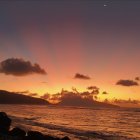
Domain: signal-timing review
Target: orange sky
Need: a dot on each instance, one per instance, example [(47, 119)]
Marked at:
[(101, 42)]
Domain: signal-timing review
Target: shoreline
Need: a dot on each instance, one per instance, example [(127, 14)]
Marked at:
[(16, 133)]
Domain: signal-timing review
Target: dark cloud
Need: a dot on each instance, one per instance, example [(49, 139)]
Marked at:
[(92, 88), (127, 83), (45, 96), (81, 76), (106, 101), (95, 97), (71, 98), (137, 78), (129, 101), (104, 92), (56, 96), (85, 94), (123, 102), (19, 67), (53, 98), (74, 90)]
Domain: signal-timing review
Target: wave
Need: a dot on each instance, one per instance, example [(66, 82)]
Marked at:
[(81, 134)]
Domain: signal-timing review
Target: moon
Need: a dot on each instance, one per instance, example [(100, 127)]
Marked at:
[(105, 5)]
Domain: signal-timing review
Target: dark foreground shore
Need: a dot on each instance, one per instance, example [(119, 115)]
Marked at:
[(19, 134)]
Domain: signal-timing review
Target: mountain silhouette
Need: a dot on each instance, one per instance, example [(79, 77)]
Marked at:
[(7, 97), (79, 102)]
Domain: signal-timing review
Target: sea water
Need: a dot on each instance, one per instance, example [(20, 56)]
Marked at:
[(77, 123)]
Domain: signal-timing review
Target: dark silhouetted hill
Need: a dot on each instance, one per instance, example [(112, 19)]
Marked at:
[(7, 97), (79, 102)]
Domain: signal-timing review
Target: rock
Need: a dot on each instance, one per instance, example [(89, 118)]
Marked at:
[(5, 123), (47, 137), (17, 132), (35, 135), (65, 138)]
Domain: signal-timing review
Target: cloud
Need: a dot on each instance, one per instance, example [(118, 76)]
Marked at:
[(129, 101), (81, 76), (106, 101), (19, 67), (92, 88), (104, 92), (137, 78), (71, 98), (127, 83), (45, 96)]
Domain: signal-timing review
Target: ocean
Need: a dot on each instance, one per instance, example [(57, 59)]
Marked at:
[(77, 123)]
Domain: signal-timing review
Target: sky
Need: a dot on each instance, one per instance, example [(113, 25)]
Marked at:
[(47, 45)]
